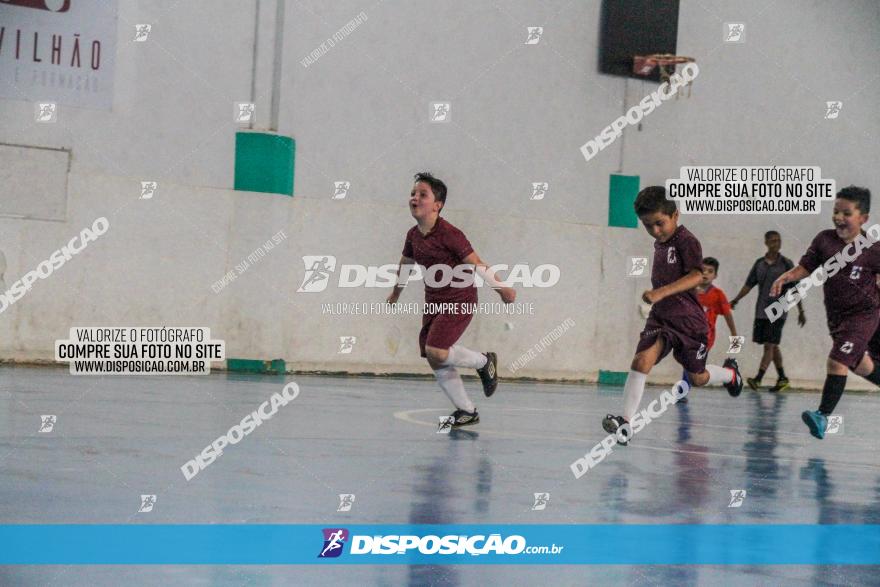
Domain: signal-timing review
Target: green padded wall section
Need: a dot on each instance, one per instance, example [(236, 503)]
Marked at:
[(622, 192), (612, 377), (264, 162)]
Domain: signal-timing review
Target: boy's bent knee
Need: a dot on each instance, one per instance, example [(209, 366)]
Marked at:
[(641, 363), (865, 366), (644, 361), (699, 379), (836, 368), (436, 357)]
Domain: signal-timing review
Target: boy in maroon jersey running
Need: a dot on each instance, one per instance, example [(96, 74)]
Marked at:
[(850, 263), (434, 242), (676, 322)]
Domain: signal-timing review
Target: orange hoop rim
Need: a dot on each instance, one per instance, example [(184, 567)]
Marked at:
[(665, 59)]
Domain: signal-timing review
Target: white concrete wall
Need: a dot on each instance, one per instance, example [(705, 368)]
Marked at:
[(360, 113), (156, 266), (172, 116)]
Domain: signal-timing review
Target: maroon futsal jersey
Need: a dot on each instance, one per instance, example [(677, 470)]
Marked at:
[(679, 320), (674, 259), (851, 298), (853, 289), (444, 245)]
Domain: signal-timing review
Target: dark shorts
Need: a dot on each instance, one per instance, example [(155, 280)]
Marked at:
[(764, 331), (850, 336), (874, 345), (442, 330), (686, 336)]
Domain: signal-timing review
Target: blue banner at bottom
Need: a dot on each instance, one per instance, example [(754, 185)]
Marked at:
[(261, 544)]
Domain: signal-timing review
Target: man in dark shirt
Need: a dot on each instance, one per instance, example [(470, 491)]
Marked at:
[(846, 260), (441, 248), (677, 322), (764, 272)]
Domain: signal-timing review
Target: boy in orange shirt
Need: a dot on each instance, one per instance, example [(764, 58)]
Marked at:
[(713, 300)]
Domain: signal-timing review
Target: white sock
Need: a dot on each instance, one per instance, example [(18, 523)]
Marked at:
[(719, 374), (462, 357), (633, 391), (452, 385)]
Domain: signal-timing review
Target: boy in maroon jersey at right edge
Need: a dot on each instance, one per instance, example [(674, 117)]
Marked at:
[(850, 264), (676, 322)]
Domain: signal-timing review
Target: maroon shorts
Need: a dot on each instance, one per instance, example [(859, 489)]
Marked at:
[(686, 336), (442, 330), (851, 335), (874, 345)]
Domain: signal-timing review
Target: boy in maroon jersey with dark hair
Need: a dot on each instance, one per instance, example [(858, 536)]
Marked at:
[(850, 265), (436, 242), (676, 322)]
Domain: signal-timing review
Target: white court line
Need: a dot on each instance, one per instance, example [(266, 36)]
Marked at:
[(406, 417)]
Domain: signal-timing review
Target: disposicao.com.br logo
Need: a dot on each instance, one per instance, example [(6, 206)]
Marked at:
[(334, 540), (319, 268)]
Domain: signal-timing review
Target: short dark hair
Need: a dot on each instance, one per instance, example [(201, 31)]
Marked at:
[(711, 262), (437, 186), (653, 199), (770, 233), (861, 197)]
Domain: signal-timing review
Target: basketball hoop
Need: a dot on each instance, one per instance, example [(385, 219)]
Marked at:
[(644, 65)]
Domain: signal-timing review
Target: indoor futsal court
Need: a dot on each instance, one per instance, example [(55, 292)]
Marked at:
[(418, 293)]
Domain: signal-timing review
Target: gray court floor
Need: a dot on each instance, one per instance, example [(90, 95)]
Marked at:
[(116, 438)]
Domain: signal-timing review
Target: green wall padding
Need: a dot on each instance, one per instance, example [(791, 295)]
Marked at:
[(612, 377), (256, 366), (622, 192), (264, 162)]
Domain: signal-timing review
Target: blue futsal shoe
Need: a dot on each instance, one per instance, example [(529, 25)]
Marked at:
[(684, 377), (817, 422)]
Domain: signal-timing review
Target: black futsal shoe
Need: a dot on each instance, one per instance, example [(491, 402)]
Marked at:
[(461, 418), (613, 424), (489, 374), (735, 387)]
